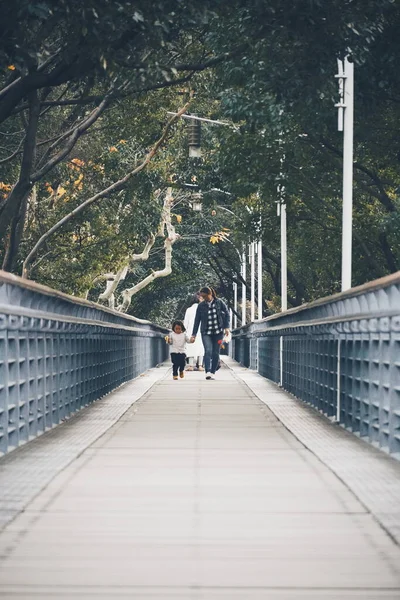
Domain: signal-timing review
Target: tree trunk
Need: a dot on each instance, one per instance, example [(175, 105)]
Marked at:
[(13, 204), (388, 253), (14, 240), (301, 295)]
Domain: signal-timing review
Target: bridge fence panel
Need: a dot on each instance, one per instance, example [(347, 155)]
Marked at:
[(340, 354), (59, 354)]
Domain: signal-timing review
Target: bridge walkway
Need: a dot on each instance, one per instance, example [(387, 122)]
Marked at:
[(196, 490)]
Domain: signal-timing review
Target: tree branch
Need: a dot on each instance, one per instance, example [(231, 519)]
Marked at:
[(382, 196), (11, 206), (299, 287), (111, 286), (106, 192), (169, 242), (74, 134)]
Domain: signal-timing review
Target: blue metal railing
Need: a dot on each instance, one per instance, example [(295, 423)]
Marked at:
[(59, 353), (340, 354)]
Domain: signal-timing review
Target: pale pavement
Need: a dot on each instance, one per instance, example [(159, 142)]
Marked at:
[(197, 492)]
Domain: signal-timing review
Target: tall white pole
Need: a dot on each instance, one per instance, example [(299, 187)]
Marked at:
[(234, 305), (347, 221), (282, 213), (283, 257), (259, 279), (244, 289), (252, 281)]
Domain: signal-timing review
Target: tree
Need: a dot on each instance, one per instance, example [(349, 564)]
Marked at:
[(266, 66), (76, 61)]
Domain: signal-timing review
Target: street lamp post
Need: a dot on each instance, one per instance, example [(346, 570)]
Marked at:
[(282, 214), (195, 152), (243, 273), (252, 281), (234, 305), (345, 107), (259, 278), (281, 205)]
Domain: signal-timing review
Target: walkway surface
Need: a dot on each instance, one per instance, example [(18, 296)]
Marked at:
[(197, 491)]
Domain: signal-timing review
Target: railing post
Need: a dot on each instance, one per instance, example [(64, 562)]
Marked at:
[(338, 381)]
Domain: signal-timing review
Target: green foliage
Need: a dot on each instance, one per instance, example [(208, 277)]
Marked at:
[(274, 80)]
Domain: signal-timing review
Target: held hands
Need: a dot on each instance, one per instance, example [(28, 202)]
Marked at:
[(227, 336), (192, 339)]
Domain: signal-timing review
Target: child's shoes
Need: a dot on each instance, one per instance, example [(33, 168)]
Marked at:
[(175, 377), (181, 374)]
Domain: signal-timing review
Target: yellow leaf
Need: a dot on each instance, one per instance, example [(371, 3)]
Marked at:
[(76, 162), (11, 67), (113, 149), (179, 218), (78, 182), (122, 142), (61, 191)]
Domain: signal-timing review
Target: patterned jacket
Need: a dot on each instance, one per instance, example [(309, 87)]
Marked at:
[(202, 316)]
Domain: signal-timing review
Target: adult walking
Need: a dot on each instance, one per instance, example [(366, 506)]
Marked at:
[(194, 352), (212, 316)]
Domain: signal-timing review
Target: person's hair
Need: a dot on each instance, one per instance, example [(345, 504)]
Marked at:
[(208, 290), (196, 298), (175, 323)]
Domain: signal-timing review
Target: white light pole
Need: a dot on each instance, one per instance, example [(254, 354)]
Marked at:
[(259, 278), (282, 213), (243, 272), (345, 107), (234, 305), (252, 281), (283, 257)]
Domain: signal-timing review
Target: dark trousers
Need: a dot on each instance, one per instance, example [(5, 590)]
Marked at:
[(178, 362), (211, 350)]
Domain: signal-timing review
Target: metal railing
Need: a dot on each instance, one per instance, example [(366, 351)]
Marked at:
[(340, 354), (59, 353)]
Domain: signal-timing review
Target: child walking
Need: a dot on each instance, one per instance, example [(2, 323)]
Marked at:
[(177, 339)]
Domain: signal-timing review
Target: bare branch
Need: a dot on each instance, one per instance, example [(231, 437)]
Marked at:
[(169, 242), (146, 250), (111, 286)]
